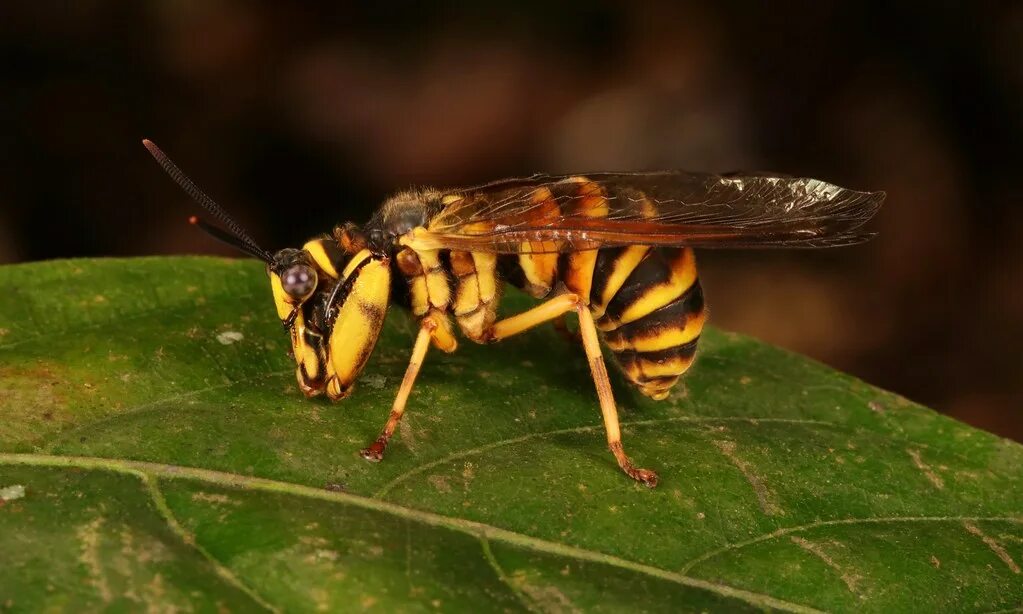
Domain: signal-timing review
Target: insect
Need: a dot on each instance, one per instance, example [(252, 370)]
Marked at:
[(616, 249)]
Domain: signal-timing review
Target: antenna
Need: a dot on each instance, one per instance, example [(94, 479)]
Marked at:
[(237, 238), (228, 238)]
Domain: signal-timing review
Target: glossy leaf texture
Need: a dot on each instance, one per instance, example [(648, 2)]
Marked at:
[(154, 449)]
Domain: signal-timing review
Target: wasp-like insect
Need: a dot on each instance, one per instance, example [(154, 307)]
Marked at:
[(614, 248)]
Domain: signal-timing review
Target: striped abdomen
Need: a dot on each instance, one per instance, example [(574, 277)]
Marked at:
[(652, 321), (647, 301)]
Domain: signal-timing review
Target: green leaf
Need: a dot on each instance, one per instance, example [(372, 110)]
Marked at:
[(155, 449)]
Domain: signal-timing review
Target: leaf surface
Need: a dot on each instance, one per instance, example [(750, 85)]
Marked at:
[(149, 411)]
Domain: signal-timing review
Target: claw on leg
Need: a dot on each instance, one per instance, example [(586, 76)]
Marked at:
[(647, 477), (375, 452), (588, 331)]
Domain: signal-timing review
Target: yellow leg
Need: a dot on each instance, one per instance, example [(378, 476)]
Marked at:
[(516, 324), (375, 451), (555, 308), (588, 331)]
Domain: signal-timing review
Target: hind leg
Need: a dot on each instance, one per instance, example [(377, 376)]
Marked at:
[(557, 308), (607, 403)]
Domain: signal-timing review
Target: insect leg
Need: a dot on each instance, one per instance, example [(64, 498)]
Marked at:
[(375, 451), (550, 310), (588, 331), (555, 308)]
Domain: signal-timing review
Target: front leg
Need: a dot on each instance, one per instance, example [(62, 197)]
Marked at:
[(429, 329)]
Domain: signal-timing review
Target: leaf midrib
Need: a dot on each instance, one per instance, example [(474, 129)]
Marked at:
[(148, 470)]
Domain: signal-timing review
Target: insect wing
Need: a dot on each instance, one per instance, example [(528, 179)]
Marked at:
[(569, 213)]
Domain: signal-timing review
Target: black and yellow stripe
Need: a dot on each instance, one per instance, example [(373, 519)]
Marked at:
[(646, 301), (648, 304), (657, 348)]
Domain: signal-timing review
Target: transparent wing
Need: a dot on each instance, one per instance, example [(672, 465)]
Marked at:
[(574, 212)]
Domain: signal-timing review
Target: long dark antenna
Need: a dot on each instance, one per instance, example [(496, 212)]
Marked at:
[(227, 238), (244, 242)]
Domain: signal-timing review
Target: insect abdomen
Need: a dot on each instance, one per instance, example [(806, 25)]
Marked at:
[(652, 322), (647, 301)]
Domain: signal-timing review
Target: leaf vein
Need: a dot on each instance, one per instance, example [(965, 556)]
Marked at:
[(49, 443), (837, 522), (476, 529), (488, 554), (153, 488), (386, 488)]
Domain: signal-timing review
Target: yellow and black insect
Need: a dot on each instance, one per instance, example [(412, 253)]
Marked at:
[(614, 248)]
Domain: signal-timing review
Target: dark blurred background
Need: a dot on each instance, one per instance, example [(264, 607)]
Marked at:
[(298, 117)]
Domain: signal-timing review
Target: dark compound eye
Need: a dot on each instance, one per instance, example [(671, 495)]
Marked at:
[(299, 281)]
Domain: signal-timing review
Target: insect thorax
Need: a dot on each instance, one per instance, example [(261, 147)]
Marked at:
[(400, 214)]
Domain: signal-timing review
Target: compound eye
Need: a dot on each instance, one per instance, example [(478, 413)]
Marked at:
[(299, 281)]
